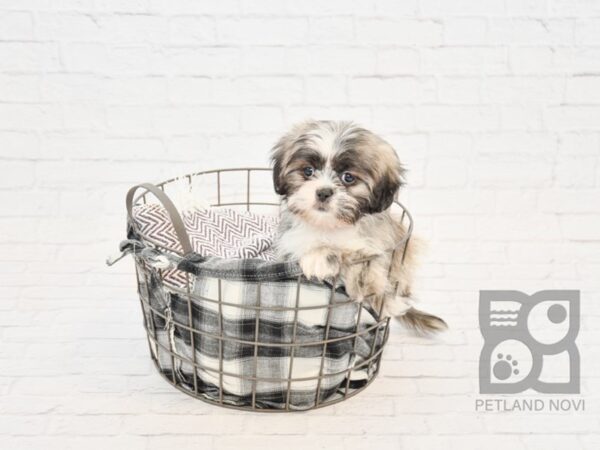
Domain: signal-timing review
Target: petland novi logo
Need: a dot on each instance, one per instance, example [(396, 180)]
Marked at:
[(529, 343)]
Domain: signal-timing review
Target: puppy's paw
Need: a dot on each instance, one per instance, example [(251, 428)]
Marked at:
[(354, 282), (397, 306), (321, 264), (364, 280)]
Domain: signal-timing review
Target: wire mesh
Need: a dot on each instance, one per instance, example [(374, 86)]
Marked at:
[(155, 314)]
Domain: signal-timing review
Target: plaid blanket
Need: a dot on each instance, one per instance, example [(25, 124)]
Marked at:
[(222, 346)]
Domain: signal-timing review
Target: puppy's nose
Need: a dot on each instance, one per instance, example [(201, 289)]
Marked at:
[(324, 193)]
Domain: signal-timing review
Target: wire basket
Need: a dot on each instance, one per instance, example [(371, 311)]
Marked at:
[(271, 369)]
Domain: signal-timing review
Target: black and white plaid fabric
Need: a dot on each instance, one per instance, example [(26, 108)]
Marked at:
[(258, 297)]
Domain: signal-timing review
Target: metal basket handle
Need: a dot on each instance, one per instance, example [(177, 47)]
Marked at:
[(184, 239)]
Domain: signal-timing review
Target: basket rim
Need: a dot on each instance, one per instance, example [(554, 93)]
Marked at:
[(142, 196)]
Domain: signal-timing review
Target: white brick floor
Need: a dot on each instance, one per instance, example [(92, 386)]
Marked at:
[(493, 105)]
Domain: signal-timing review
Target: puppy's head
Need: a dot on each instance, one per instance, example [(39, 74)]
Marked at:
[(333, 173)]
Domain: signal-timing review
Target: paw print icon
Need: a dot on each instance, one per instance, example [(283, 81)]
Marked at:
[(529, 342)]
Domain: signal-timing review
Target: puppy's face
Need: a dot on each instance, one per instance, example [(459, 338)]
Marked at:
[(333, 173)]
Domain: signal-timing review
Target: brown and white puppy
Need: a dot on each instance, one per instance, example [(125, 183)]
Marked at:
[(337, 182)]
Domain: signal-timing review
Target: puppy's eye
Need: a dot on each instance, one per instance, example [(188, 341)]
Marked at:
[(308, 172), (348, 178)]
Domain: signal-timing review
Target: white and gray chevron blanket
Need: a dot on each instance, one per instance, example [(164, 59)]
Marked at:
[(233, 262), (221, 232)]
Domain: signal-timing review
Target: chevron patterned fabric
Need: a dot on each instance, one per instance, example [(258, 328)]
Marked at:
[(225, 233)]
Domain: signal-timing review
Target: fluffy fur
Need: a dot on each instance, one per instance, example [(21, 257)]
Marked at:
[(337, 182)]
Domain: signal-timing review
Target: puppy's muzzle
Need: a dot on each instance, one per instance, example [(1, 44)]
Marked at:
[(323, 194)]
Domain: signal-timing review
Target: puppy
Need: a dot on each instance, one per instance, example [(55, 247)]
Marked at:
[(337, 182)]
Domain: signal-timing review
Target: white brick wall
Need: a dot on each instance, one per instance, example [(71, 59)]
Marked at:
[(494, 106)]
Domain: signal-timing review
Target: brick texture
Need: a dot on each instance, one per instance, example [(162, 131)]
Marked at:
[(493, 105)]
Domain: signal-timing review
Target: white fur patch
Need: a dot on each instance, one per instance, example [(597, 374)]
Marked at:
[(303, 237)]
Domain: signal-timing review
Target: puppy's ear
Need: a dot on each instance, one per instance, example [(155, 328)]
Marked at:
[(384, 192), (278, 156)]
